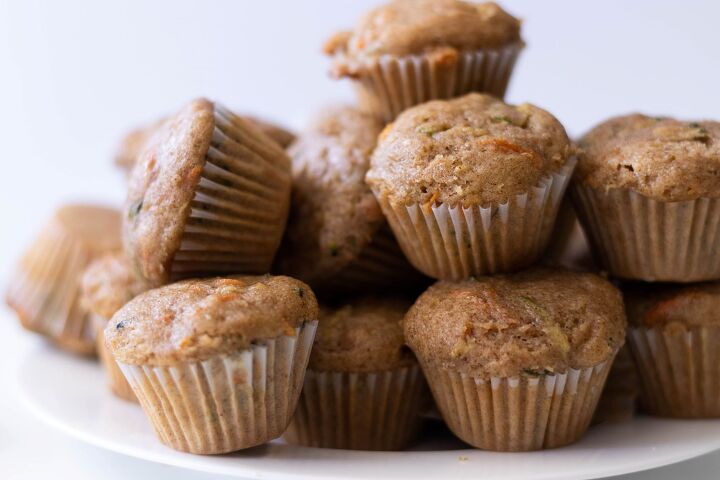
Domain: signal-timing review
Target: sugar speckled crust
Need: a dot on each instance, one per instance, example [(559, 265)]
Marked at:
[(194, 320), (440, 28), (333, 212), (364, 335), (661, 158), (107, 284), (673, 308), (538, 321), (473, 150)]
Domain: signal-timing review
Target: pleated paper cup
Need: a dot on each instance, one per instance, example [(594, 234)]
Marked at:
[(518, 414), (358, 411), (228, 402), (241, 205), (639, 238), (454, 243), (619, 398), (117, 382), (45, 287), (679, 372), (388, 85)]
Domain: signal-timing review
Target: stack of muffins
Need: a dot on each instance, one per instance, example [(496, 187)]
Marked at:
[(257, 285)]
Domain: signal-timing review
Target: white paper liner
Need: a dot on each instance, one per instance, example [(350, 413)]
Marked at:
[(228, 402), (358, 411), (389, 85), (241, 205), (518, 413), (639, 238), (454, 243), (679, 372)]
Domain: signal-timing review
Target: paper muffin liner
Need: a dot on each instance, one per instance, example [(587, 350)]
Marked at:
[(45, 289), (240, 208), (619, 397), (117, 382), (636, 237), (228, 402), (454, 243), (387, 86), (679, 372), (518, 413), (358, 411)]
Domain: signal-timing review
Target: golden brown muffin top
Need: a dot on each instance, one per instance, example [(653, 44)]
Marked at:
[(107, 284), (674, 308), (365, 335), (96, 227), (440, 28), (472, 150), (538, 321), (661, 158), (194, 320), (334, 215)]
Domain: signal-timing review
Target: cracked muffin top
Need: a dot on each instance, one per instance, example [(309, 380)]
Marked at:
[(673, 308), (440, 28), (658, 157), (107, 284), (473, 150), (333, 213), (535, 322), (193, 320), (365, 335)]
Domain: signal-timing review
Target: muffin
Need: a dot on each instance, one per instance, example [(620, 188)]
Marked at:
[(619, 397), (217, 364), (211, 195), (106, 285), (408, 52), (674, 337), (648, 194), (363, 388), (45, 289), (471, 186), (517, 362), (337, 238)]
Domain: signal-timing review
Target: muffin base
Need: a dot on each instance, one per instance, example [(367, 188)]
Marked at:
[(238, 214), (679, 373), (518, 414), (387, 86), (358, 411), (454, 243), (228, 402), (636, 237)]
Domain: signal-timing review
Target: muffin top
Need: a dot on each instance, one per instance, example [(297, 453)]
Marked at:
[(661, 158), (534, 322), (96, 227), (194, 320), (674, 308), (472, 150), (107, 284), (365, 335), (440, 28), (333, 214)]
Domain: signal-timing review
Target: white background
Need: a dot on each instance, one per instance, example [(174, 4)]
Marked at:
[(75, 75)]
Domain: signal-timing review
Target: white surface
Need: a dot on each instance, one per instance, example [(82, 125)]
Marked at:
[(74, 75), (78, 403)]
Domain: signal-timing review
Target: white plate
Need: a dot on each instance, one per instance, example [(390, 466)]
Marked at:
[(70, 394)]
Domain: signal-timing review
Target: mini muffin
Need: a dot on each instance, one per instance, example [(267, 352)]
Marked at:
[(518, 362), (45, 289), (337, 237), (648, 193), (217, 364), (363, 388), (619, 397), (408, 52), (211, 195), (471, 186), (674, 337), (107, 285)]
